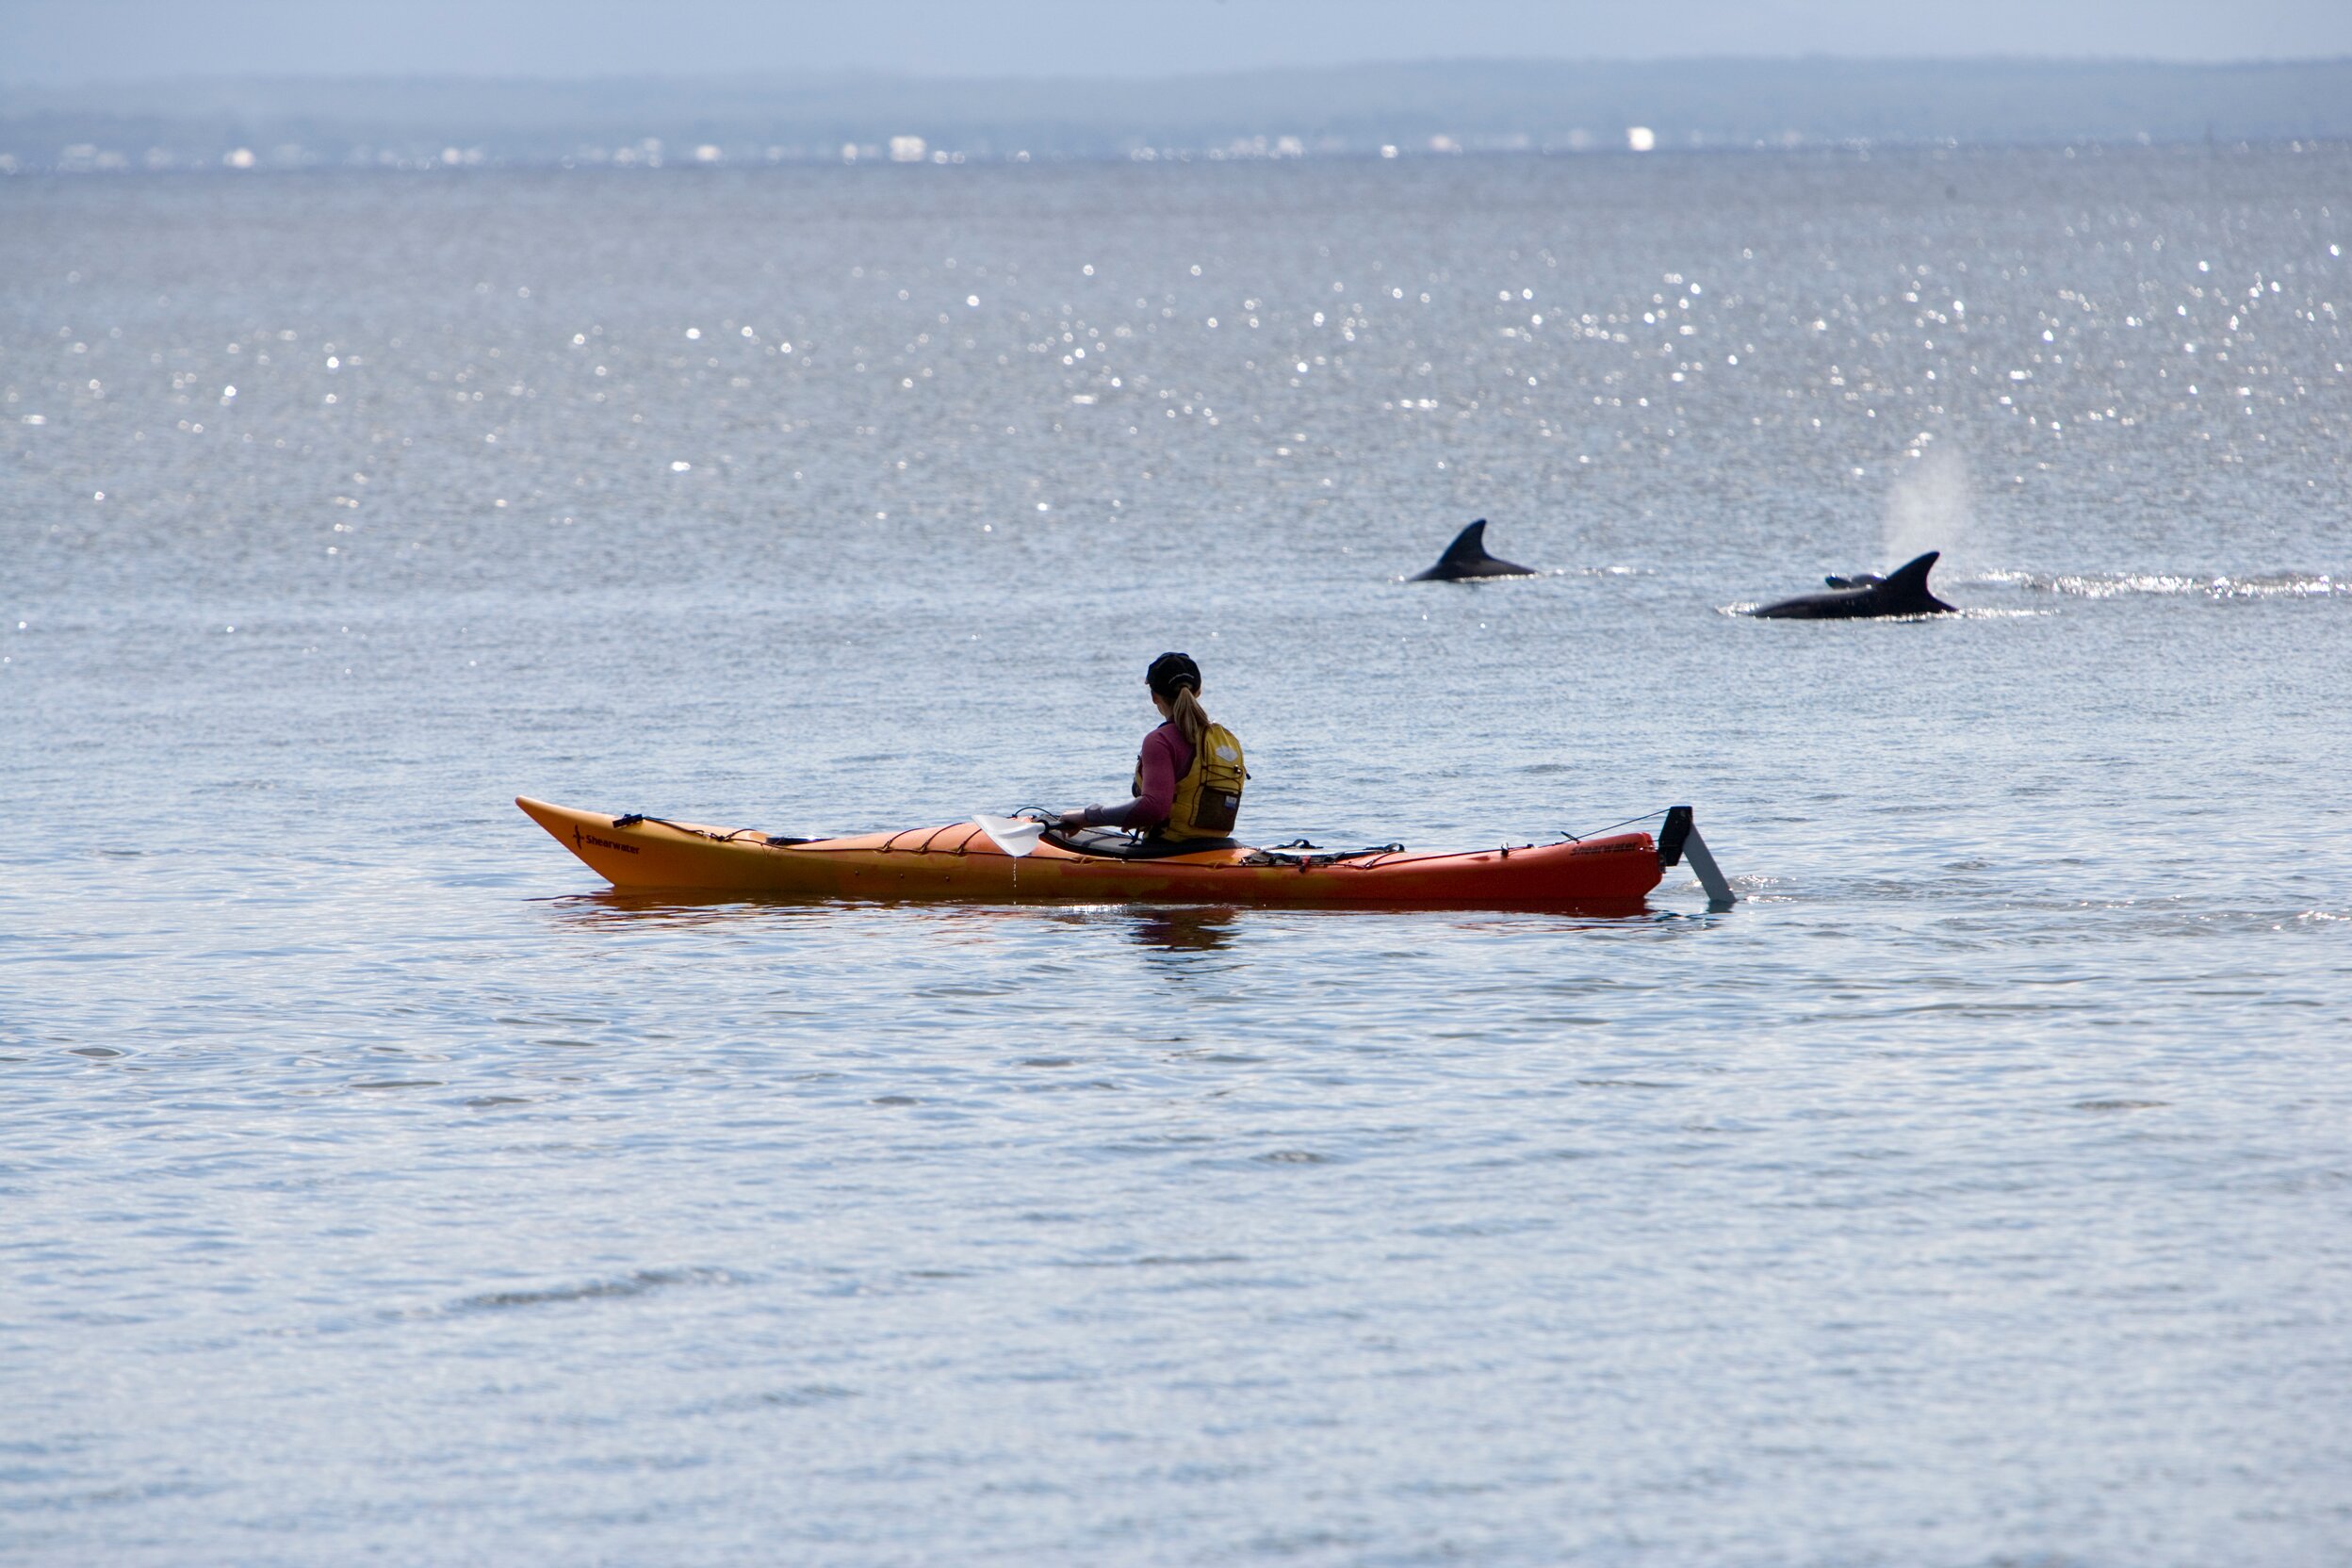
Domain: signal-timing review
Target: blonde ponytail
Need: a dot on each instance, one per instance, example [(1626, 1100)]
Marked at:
[(1191, 718)]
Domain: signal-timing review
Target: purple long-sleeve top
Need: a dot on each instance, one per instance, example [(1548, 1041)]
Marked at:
[(1165, 757)]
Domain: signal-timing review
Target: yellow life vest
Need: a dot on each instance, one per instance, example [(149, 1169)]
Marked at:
[(1208, 797)]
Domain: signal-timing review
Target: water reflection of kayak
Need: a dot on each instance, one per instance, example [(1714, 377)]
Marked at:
[(963, 862)]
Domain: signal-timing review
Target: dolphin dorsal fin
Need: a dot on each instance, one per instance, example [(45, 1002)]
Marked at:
[(1469, 544), (1911, 577)]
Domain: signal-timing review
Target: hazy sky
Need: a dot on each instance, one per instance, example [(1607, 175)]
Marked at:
[(63, 42)]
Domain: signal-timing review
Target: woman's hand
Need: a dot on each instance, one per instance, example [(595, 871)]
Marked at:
[(1070, 822)]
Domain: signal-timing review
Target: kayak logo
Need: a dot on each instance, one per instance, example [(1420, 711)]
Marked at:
[(580, 838)]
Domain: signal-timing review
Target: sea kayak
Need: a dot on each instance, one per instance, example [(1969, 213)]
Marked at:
[(961, 863)]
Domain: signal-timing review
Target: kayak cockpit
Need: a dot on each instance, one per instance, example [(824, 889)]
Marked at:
[(1110, 843)]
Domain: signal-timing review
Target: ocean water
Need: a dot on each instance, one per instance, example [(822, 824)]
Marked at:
[(1978, 1190)]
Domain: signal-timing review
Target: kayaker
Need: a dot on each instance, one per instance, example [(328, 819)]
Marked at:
[(1190, 775)]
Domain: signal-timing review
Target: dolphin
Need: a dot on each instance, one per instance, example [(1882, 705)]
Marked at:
[(1900, 591), (1466, 557)]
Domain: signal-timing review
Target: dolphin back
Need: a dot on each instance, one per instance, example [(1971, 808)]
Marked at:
[(1900, 591), (1466, 557)]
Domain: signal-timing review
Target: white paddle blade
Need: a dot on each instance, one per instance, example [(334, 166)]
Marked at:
[(1015, 836)]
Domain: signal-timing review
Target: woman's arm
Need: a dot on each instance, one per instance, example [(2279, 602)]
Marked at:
[(1157, 764)]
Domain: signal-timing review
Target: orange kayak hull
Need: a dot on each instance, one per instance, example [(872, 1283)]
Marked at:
[(960, 863)]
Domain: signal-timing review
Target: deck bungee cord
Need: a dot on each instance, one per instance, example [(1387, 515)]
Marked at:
[(1579, 838), (740, 835)]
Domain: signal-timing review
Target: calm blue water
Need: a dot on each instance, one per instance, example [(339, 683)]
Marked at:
[(1978, 1192)]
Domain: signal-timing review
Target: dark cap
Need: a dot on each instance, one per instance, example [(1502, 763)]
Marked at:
[(1171, 671)]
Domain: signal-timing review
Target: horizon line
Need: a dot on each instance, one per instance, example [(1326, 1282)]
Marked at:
[(866, 73)]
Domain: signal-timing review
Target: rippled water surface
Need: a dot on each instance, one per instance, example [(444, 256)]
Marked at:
[(1978, 1190)]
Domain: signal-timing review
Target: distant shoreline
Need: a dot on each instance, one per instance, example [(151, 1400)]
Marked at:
[(13, 167), (1401, 111)]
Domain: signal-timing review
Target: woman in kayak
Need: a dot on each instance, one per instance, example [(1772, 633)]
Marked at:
[(1190, 775)]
